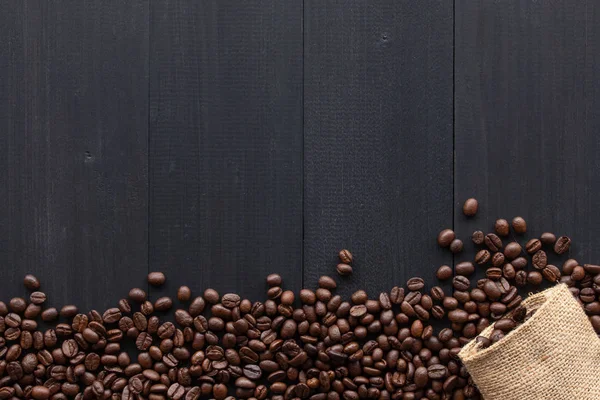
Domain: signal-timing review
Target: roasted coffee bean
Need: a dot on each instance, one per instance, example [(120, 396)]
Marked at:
[(17, 304), (344, 269), (184, 294), (512, 250), (49, 314), (551, 273), (163, 304), (443, 273), (498, 259), (478, 237), (519, 225), (137, 295), (445, 237), (540, 260), (461, 283), (156, 278), (415, 284), (534, 278), (465, 268), (470, 207), (493, 273), (345, 256), (521, 278), (533, 246), (482, 257), (327, 282), (456, 246), (548, 238), (493, 242), (37, 298), (501, 227), (562, 245), (274, 280), (31, 282)]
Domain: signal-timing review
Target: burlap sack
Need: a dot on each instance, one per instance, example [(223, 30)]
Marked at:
[(554, 355)]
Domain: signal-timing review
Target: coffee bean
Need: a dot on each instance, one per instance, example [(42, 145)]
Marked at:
[(445, 237), (533, 246), (493, 273), (137, 295), (31, 282), (508, 271), (534, 278), (540, 260), (519, 225), (327, 282), (493, 242), (156, 278), (49, 314), (470, 207), (501, 227), (444, 273), (274, 280), (548, 238), (551, 273), (464, 268), (345, 256), (456, 246), (562, 245), (461, 283), (344, 269), (512, 250), (519, 263), (478, 237), (17, 304), (211, 296), (482, 257), (415, 284), (184, 294), (592, 269), (521, 278), (163, 304), (498, 259)]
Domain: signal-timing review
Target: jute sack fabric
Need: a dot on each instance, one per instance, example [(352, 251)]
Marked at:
[(554, 355)]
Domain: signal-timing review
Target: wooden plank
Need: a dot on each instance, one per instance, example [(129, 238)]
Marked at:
[(527, 119), (73, 116), (378, 139), (226, 143)]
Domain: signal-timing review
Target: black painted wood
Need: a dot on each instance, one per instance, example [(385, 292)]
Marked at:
[(73, 148), (226, 143), (378, 139), (527, 119)]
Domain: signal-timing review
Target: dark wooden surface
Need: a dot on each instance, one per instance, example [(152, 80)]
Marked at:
[(219, 141)]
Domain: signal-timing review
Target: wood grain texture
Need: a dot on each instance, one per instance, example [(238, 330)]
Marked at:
[(73, 116), (378, 139), (226, 144), (527, 117)]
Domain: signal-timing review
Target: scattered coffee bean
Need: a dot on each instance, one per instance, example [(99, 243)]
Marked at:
[(519, 225), (31, 282), (478, 237), (456, 246), (184, 294), (562, 245), (345, 257), (156, 278), (470, 207), (444, 273), (548, 239), (344, 269), (446, 237), (501, 227)]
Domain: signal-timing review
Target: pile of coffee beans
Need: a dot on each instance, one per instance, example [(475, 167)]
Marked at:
[(308, 345)]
